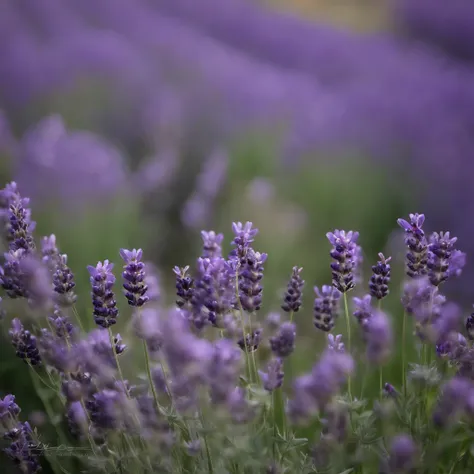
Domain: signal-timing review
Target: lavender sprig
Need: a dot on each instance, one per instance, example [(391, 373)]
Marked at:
[(326, 307), (344, 256), (380, 278), (103, 299), (133, 275), (292, 299), (415, 240)]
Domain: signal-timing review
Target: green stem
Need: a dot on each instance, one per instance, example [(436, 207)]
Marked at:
[(150, 378), (78, 318), (404, 374), (381, 380), (208, 451), (241, 314), (274, 425), (348, 326), (111, 337), (47, 406)]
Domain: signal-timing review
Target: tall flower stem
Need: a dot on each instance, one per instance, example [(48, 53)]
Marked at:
[(150, 378), (241, 316), (348, 326), (404, 374), (379, 305), (111, 337)]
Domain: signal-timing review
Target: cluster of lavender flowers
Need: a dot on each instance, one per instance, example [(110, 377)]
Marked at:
[(213, 396)]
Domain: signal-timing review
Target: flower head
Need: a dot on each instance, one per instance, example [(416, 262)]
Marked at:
[(335, 343), (380, 278), (133, 274), (273, 377), (212, 244), (283, 343), (440, 251), (403, 454), (292, 299), (184, 286), (344, 255), (24, 343), (363, 308), (103, 299), (326, 307), (415, 240)]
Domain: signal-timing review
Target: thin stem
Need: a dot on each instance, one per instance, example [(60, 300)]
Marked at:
[(348, 326), (381, 380), (241, 314), (208, 452), (274, 425), (150, 378), (404, 374), (78, 318), (47, 406), (111, 337), (291, 316)]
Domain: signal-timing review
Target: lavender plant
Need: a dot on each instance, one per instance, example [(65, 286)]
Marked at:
[(212, 397)]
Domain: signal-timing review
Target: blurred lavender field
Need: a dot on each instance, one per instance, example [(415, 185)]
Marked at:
[(140, 122)]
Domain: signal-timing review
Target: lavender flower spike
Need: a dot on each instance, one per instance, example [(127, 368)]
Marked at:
[(326, 307), (24, 343), (244, 236), (344, 255), (379, 338), (403, 454), (293, 293), (212, 244), (250, 277), (134, 277), (470, 326), (50, 252), (105, 307), (380, 278), (415, 240), (335, 343), (21, 227), (273, 377), (363, 309), (283, 344), (184, 286), (63, 282), (440, 250)]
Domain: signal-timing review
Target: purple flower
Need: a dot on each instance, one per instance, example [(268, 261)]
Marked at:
[(452, 346), (9, 411), (107, 409), (456, 263), (23, 450), (105, 307), (134, 277), (453, 401), (363, 308), (344, 254), (251, 341), (283, 343), (314, 391), (24, 343), (440, 250), (403, 454), (390, 390), (77, 419), (61, 324), (223, 370), (11, 277), (380, 278), (184, 286), (20, 226), (250, 277), (238, 406), (244, 236), (292, 299), (273, 377), (378, 337), (448, 320), (50, 252), (213, 292), (212, 244), (335, 343), (326, 307), (63, 282), (146, 326), (415, 240)]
